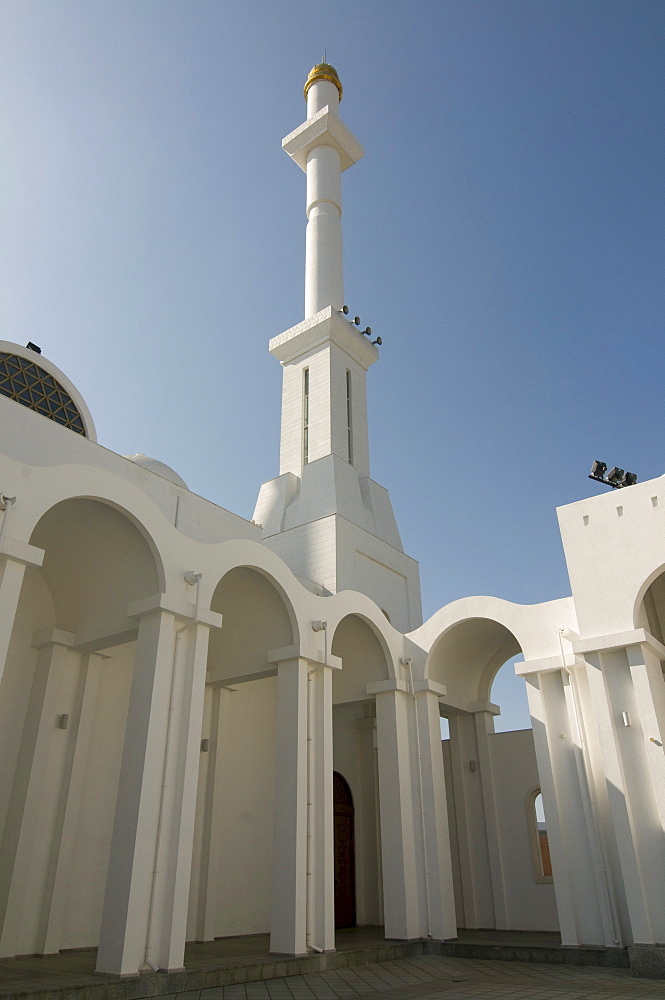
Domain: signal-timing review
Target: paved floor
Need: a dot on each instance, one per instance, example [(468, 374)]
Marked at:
[(74, 971), (434, 978)]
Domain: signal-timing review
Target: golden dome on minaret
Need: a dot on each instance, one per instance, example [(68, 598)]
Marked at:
[(323, 71)]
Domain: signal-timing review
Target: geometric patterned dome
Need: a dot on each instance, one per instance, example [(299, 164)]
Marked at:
[(30, 384)]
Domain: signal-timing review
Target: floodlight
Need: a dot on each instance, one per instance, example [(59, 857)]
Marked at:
[(616, 477)]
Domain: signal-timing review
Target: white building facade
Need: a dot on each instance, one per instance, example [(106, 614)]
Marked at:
[(213, 727)]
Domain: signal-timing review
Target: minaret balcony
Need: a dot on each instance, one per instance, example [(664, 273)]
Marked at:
[(325, 326), (326, 128)]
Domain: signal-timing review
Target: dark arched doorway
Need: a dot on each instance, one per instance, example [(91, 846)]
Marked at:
[(345, 855)]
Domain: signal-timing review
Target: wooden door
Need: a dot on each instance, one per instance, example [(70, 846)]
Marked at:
[(345, 858)]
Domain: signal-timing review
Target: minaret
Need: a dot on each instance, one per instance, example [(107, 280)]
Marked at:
[(323, 515), (312, 149)]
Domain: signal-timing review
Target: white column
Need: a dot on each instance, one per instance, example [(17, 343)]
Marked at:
[(402, 917), (145, 907), (646, 671), (321, 869), (14, 557), (168, 919), (575, 862), (484, 723), (30, 786), (80, 726), (367, 832), (288, 928), (322, 94), (633, 800), (475, 868), (206, 914), (324, 284), (439, 875)]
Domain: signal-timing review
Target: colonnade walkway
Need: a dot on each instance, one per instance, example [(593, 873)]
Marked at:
[(487, 965)]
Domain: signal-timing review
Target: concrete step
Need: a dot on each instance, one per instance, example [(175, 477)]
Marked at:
[(71, 976), (246, 969), (555, 955)]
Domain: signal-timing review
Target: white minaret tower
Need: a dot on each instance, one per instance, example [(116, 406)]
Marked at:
[(323, 515)]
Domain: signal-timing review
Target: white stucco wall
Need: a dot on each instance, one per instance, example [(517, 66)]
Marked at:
[(530, 905)]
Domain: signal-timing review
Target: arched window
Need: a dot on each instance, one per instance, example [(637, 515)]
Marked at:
[(540, 846), (31, 385)]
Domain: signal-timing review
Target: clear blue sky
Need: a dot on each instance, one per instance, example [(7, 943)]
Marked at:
[(504, 235)]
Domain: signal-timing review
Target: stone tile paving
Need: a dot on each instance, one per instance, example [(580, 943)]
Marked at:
[(432, 978)]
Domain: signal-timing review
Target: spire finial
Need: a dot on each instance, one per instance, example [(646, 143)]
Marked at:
[(323, 71)]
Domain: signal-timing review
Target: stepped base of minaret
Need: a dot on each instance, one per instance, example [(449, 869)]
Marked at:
[(337, 531)]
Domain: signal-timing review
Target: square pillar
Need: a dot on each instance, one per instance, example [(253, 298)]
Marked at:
[(213, 812), (646, 671), (288, 928), (68, 815), (484, 723), (403, 919), (303, 905), (321, 867), (145, 907), (633, 799), (442, 920), (582, 895), (30, 786), (475, 867)]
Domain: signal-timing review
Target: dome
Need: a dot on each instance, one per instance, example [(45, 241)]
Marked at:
[(323, 71), (159, 468), (32, 380)]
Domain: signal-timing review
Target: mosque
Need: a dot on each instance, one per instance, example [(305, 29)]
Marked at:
[(213, 727)]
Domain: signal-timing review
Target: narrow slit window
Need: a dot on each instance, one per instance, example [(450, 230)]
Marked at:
[(349, 424), (305, 417)]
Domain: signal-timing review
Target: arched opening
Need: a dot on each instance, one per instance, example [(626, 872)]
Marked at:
[(489, 772), (364, 662), (96, 564), (345, 853), (651, 610), (71, 660), (508, 691), (230, 889)]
